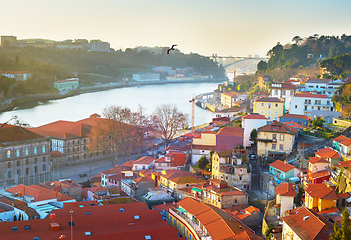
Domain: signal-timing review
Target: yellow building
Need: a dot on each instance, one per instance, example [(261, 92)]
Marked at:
[(270, 107), (275, 140), (320, 196)]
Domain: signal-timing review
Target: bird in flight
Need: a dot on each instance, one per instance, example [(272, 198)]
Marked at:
[(172, 48)]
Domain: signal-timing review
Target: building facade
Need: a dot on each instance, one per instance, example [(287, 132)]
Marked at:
[(304, 103), (270, 107)]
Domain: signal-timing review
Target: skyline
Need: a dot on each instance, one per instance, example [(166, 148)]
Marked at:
[(227, 27)]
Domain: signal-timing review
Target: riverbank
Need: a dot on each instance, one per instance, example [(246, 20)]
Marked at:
[(33, 100)]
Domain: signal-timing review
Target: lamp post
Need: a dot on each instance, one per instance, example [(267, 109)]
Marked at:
[(71, 212)]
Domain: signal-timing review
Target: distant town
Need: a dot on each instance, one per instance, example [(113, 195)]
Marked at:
[(274, 163)]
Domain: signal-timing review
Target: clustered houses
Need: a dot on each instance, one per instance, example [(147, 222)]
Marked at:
[(23, 154), (232, 167)]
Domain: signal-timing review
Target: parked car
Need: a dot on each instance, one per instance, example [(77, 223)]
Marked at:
[(82, 175)]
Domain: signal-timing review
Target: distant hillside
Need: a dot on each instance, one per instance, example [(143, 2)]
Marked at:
[(45, 64)]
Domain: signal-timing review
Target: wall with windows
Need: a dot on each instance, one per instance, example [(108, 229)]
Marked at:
[(274, 142), (24, 160), (271, 110)]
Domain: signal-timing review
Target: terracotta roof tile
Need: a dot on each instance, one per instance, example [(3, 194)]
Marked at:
[(310, 95), (253, 116), (307, 224), (297, 116), (285, 190), (343, 140), (321, 191), (314, 160), (282, 166), (11, 133), (269, 99), (278, 127), (328, 153)]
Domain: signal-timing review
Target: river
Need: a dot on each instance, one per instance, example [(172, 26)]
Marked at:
[(148, 96)]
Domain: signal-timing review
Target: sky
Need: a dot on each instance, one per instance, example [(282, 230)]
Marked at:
[(224, 27)]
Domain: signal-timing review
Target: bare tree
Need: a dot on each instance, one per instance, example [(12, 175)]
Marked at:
[(167, 120), (118, 132)]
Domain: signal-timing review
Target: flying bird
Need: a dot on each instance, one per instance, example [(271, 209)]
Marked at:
[(172, 48)]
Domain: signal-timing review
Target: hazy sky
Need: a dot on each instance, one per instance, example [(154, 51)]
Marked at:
[(225, 27)]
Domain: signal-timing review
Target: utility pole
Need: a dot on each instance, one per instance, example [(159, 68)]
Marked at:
[(71, 212)]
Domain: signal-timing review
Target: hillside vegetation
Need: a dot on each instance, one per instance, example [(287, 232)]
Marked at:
[(45, 64)]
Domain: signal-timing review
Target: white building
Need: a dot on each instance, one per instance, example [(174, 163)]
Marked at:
[(250, 122), (146, 77), (18, 75), (203, 146), (283, 91), (143, 163), (315, 84), (303, 103)]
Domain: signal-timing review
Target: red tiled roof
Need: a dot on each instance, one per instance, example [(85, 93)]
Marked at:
[(112, 171), (56, 154), (345, 164), (231, 131), (328, 153), (282, 166), (321, 191), (318, 80), (298, 116), (278, 127), (307, 224), (64, 129), (293, 124), (310, 95), (314, 160), (253, 116), (39, 193), (269, 99), (285, 190), (11, 133), (343, 140), (144, 160)]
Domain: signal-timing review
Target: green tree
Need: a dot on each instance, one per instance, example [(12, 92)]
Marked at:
[(343, 232), (317, 122), (253, 135), (203, 162), (261, 66)]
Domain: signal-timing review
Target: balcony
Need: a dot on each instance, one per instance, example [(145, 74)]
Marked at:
[(189, 223), (267, 140)]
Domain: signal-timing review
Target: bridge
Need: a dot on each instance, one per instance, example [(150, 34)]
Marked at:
[(229, 60)]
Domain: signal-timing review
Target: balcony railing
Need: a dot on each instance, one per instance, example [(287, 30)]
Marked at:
[(187, 221)]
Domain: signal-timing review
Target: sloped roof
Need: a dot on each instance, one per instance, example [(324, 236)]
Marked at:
[(297, 116), (327, 153), (39, 193), (277, 127), (343, 140), (318, 80), (282, 166), (269, 99), (308, 224), (321, 191), (144, 160), (12, 133), (314, 160), (253, 116), (310, 95), (285, 190), (231, 131)]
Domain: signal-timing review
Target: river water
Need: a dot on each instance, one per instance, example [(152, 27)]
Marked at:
[(149, 97)]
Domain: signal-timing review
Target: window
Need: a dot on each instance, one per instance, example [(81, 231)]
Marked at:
[(18, 163), (274, 146), (44, 168), (71, 224), (269, 118), (276, 118), (17, 152), (14, 229), (35, 150), (8, 153), (43, 148), (44, 158), (295, 106), (27, 171), (275, 112), (240, 178), (9, 174), (27, 227), (26, 151), (262, 104), (19, 172), (35, 160), (35, 169), (88, 213), (276, 92), (262, 112), (319, 108), (268, 112), (121, 209), (269, 105), (283, 93), (305, 107), (9, 165), (276, 105), (281, 137), (281, 147), (274, 136)]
